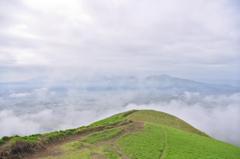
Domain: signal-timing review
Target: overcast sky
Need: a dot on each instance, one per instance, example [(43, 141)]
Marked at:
[(197, 39)]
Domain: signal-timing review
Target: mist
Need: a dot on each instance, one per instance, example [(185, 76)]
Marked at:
[(44, 110)]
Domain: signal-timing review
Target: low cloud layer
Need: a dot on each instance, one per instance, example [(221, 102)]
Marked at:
[(217, 115)]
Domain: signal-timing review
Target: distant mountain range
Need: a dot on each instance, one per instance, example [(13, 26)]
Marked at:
[(161, 83)]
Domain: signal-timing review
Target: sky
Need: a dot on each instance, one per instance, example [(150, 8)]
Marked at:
[(68, 38)]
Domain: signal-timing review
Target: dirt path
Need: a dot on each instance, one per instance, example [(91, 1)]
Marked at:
[(164, 152), (135, 126), (130, 128), (54, 150), (98, 156)]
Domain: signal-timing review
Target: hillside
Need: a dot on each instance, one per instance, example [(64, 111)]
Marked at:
[(136, 134)]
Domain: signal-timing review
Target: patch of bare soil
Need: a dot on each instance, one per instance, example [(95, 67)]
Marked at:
[(97, 156)]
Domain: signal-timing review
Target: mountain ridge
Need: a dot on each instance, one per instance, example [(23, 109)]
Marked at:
[(142, 134)]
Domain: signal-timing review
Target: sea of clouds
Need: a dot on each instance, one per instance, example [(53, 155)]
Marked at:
[(43, 110)]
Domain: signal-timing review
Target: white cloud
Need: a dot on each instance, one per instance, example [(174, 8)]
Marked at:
[(30, 59), (14, 125), (42, 110), (19, 95), (131, 36)]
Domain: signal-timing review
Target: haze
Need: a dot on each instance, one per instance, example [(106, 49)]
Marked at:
[(72, 62)]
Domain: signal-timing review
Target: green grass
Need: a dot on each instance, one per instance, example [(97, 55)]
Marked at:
[(113, 119), (2, 141), (147, 144), (14, 139), (161, 118), (152, 143), (111, 154), (84, 154), (37, 138), (52, 136), (184, 145), (103, 135)]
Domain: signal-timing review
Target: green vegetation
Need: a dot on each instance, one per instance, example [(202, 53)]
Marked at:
[(146, 144), (131, 135), (84, 154), (161, 118), (113, 119), (184, 145), (175, 144), (32, 139), (52, 136), (40, 138), (111, 154), (2, 141), (29, 139), (103, 135), (5, 139)]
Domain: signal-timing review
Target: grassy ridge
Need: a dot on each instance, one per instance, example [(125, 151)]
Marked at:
[(161, 118), (134, 134)]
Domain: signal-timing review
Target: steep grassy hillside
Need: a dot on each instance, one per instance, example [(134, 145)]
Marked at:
[(137, 134)]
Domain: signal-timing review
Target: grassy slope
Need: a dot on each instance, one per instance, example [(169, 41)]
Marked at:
[(163, 119), (150, 135), (146, 144), (158, 141), (181, 140)]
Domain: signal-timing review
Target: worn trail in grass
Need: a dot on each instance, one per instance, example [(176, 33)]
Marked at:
[(135, 134), (165, 145), (97, 145)]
